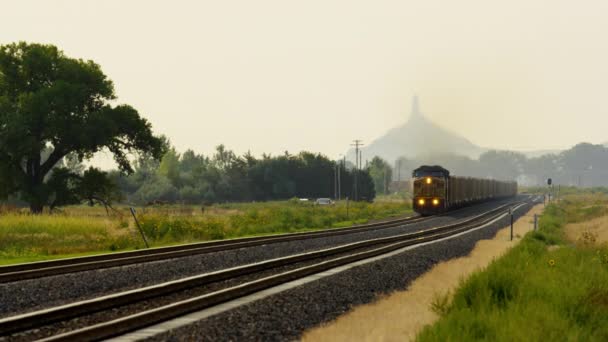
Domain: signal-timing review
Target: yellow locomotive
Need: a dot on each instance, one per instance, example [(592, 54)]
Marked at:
[(435, 191)]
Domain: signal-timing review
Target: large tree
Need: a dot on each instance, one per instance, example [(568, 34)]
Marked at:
[(50, 102)]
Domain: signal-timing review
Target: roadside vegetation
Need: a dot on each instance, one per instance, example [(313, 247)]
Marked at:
[(549, 287), (79, 230), (563, 190)]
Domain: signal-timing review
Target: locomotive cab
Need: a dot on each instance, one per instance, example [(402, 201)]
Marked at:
[(430, 190)]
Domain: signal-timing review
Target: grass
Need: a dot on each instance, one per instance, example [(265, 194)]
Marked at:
[(82, 230), (562, 190), (29, 238), (546, 288)]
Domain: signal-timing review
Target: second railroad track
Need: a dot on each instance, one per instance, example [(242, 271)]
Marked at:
[(122, 312)]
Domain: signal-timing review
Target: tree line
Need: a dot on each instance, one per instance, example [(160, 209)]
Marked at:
[(583, 165), (224, 176), (57, 111)]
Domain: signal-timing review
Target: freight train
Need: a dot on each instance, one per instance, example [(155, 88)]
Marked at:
[(435, 191)]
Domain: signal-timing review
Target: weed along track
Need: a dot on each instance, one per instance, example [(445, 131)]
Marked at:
[(123, 312), (70, 265)]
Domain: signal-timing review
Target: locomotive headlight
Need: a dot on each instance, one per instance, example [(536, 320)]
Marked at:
[(421, 201), (435, 201), (428, 180)]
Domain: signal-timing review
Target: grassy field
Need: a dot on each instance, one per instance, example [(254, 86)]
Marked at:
[(548, 288), (81, 230)]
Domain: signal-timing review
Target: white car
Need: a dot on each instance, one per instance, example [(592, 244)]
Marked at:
[(324, 201)]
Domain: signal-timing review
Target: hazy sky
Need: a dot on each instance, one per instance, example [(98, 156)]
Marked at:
[(269, 76)]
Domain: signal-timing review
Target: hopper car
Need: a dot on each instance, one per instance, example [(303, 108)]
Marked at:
[(436, 191)]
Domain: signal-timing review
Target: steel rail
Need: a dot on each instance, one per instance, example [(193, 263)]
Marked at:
[(44, 317), (142, 319), (33, 270), (41, 269)]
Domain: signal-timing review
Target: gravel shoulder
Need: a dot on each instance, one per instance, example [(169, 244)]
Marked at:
[(30, 295), (286, 315)]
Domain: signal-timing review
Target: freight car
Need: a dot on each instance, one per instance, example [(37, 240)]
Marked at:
[(435, 191)]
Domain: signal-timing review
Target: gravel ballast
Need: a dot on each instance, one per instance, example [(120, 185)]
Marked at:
[(284, 316), (30, 295), (107, 315)]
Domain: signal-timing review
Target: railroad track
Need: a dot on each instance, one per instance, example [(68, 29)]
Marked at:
[(224, 285), (41, 269), (33, 270)]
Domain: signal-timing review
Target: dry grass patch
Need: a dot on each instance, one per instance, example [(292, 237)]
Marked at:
[(588, 233)]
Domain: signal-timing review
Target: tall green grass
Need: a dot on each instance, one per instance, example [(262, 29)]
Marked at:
[(544, 289), (265, 218), (82, 230), (31, 237)]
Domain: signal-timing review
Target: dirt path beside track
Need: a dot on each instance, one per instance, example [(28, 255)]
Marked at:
[(401, 315)]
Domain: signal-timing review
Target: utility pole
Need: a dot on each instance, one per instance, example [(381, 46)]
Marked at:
[(398, 170), (360, 160), (336, 181), (385, 184), (339, 182), (357, 143)]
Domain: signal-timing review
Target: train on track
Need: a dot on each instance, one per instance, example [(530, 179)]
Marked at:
[(435, 191)]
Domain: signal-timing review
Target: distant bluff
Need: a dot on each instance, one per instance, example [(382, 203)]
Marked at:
[(417, 137)]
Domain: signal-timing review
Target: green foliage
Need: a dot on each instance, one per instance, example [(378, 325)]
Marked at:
[(29, 237), (266, 218), (381, 173), (95, 186), (502, 164), (441, 303), (367, 191), (163, 229), (534, 293), (194, 179), (169, 166), (156, 188), (50, 102), (62, 187), (89, 229)]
